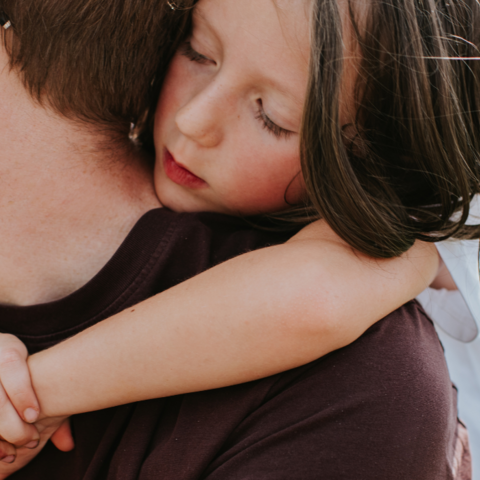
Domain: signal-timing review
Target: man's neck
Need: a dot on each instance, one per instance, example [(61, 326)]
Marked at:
[(66, 204)]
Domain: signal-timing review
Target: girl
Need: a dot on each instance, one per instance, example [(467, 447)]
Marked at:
[(374, 215)]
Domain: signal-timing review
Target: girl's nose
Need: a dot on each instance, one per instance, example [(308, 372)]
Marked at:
[(202, 118)]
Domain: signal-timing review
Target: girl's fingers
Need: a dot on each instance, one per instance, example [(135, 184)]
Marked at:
[(12, 428), (15, 378), (63, 438), (8, 452)]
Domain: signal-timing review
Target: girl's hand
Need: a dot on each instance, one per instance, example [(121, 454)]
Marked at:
[(58, 427), (19, 407)]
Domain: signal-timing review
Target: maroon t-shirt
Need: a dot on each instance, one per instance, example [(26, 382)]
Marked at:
[(381, 408)]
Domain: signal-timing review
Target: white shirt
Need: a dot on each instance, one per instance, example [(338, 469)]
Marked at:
[(457, 318)]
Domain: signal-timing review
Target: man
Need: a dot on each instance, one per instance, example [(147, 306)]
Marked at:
[(83, 196)]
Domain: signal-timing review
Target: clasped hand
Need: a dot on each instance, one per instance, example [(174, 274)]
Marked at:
[(24, 430)]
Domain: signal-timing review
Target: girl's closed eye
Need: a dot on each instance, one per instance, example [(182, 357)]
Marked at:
[(269, 124), (188, 51)]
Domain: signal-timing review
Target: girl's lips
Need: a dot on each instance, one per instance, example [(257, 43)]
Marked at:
[(180, 175)]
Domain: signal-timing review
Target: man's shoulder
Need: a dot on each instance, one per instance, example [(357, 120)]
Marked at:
[(397, 364), (190, 243), (401, 353), (382, 407), (224, 236)]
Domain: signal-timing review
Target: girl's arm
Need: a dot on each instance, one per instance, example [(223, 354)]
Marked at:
[(256, 315)]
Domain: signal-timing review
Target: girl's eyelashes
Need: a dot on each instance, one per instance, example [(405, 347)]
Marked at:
[(269, 124), (188, 51)]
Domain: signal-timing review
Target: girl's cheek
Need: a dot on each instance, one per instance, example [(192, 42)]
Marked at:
[(271, 180), (175, 87), (171, 100)]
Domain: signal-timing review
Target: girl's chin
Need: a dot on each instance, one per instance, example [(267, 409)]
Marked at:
[(184, 200), (177, 199)]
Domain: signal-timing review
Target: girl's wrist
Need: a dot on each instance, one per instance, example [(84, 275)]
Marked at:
[(43, 381)]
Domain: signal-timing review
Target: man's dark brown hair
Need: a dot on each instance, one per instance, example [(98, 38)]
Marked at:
[(92, 60)]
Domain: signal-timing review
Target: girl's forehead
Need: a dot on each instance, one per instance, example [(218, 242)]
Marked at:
[(267, 40), (275, 22), (289, 5)]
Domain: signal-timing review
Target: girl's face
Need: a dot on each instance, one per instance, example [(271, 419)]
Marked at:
[(228, 120)]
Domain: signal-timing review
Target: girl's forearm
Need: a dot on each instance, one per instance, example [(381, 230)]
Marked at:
[(259, 314)]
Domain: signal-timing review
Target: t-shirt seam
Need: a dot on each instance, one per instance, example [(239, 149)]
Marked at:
[(129, 291)]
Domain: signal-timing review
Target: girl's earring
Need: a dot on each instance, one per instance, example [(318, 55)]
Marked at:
[(172, 5), (4, 21)]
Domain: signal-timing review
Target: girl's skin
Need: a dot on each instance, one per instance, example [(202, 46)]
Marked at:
[(230, 113)]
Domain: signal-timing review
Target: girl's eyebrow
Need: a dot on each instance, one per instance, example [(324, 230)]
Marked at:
[(199, 18), (295, 108)]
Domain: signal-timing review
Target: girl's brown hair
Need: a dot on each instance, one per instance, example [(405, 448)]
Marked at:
[(408, 166)]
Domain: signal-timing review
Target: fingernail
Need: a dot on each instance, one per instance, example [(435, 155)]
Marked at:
[(8, 459), (33, 444), (30, 415)]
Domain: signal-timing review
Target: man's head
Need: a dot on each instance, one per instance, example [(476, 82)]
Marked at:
[(89, 60)]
